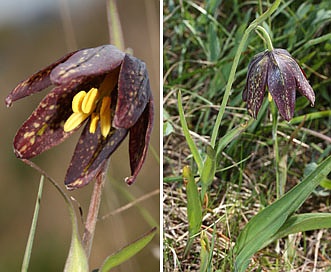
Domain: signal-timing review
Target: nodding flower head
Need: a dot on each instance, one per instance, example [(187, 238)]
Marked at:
[(278, 71), (102, 88)]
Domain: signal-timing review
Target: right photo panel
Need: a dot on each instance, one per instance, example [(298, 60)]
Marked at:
[(246, 135)]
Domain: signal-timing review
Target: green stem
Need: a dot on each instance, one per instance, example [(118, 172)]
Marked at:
[(274, 114), (241, 46), (266, 37), (114, 25)]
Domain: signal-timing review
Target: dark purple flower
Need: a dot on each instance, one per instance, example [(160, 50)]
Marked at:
[(103, 88), (282, 75)]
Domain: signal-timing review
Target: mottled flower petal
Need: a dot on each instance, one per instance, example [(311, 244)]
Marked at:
[(282, 85), (35, 83), (133, 92), (302, 83), (140, 135), (90, 155), (283, 76), (87, 63), (44, 128), (256, 84)]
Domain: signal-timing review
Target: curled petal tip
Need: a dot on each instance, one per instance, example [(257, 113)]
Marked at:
[(8, 101), (130, 180)]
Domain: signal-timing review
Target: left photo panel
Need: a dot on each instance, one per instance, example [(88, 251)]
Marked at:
[(80, 157)]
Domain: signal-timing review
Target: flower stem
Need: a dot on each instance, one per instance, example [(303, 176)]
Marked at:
[(93, 212), (274, 114), (266, 37), (241, 46), (114, 25)]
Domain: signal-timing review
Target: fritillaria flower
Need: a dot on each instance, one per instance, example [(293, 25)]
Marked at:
[(102, 88), (277, 70)]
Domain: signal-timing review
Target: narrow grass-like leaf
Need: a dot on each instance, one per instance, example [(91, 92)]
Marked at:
[(128, 251), (267, 222), (29, 244), (228, 138), (300, 223), (208, 170), (310, 116), (194, 211), (191, 144)]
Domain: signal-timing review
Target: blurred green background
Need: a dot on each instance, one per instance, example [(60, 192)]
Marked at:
[(33, 34)]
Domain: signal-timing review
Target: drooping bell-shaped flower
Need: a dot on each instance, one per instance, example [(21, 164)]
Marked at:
[(102, 88), (277, 70)]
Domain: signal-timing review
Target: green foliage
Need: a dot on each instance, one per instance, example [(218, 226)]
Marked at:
[(127, 252), (268, 221), (194, 212), (235, 159)]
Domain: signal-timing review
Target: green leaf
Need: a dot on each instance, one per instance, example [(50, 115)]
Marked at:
[(194, 210), (208, 170), (228, 138), (267, 222), (128, 251), (300, 223), (76, 260), (204, 252), (326, 183), (187, 135)]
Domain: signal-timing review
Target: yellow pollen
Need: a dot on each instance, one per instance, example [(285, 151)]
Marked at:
[(105, 116), (77, 101), (74, 121), (94, 122), (89, 101)]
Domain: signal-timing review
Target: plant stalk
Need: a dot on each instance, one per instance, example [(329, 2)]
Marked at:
[(92, 216)]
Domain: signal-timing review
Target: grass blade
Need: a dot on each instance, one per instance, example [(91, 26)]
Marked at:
[(186, 132), (267, 222), (29, 244)]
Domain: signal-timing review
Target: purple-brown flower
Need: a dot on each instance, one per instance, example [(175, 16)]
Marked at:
[(103, 88), (282, 75)]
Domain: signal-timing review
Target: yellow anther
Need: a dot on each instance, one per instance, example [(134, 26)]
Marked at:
[(89, 101), (77, 101), (74, 121), (105, 116), (94, 122), (269, 97)]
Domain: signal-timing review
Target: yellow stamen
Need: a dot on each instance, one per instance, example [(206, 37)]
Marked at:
[(94, 104), (269, 97), (89, 102), (74, 121), (77, 101), (105, 116), (94, 122)]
